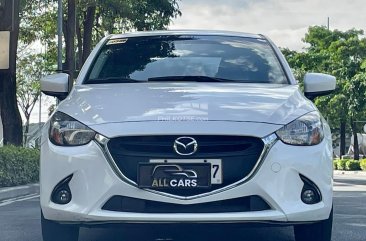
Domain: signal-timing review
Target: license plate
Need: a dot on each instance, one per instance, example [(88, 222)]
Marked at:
[(216, 166), (174, 176)]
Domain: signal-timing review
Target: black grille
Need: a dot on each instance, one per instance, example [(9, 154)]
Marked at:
[(238, 154), (243, 204)]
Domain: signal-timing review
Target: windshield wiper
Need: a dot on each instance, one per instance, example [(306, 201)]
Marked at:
[(194, 78), (112, 80)]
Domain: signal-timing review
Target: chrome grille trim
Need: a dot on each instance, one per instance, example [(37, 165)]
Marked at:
[(268, 141)]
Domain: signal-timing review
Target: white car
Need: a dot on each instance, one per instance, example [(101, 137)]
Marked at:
[(186, 127)]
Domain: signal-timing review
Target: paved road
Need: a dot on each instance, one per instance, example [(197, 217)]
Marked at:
[(19, 221)]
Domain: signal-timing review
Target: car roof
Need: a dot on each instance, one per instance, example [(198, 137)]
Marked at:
[(187, 32)]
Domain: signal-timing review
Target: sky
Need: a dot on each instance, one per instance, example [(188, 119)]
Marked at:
[(284, 21)]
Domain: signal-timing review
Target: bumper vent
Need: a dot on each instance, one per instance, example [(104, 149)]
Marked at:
[(244, 204)]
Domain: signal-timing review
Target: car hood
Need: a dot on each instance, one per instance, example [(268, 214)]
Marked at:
[(189, 101)]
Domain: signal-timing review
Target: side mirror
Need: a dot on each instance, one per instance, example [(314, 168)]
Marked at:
[(56, 85), (318, 85)]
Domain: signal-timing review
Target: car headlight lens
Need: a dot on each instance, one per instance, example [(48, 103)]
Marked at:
[(305, 131), (66, 131)]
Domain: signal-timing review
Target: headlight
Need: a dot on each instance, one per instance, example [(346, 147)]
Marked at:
[(305, 131), (66, 131)]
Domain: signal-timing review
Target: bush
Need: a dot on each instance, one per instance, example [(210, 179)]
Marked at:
[(352, 165), (363, 164), (335, 166), (341, 164), (18, 166)]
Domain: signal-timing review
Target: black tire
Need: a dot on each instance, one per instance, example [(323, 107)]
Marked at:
[(320, 231), (52, 231)]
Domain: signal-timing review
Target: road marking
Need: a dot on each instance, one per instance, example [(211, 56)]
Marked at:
[(19, 199)]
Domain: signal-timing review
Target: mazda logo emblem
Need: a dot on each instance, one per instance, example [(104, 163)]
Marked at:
[(185, 146)]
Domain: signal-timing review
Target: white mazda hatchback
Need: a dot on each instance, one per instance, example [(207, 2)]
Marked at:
[(186, 127)]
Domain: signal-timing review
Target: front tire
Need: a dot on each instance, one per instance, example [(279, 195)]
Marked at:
[(52, 231), (320, 231)]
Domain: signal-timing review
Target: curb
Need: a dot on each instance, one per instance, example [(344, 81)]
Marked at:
[(18, 191), (348, 173)]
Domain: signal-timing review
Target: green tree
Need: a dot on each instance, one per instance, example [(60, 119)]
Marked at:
[(30, 70), (35, 23), (343, 55), (356, 102), (90, 20), (36, 53), (29, 26), (10, 116)]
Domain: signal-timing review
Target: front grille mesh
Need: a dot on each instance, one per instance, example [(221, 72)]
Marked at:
[(239, 155)]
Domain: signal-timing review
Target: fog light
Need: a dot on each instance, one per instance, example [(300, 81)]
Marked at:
[(63, 196), (308, 196), (310, 193)]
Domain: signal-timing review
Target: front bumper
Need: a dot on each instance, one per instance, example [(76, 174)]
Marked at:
[(277, 181)]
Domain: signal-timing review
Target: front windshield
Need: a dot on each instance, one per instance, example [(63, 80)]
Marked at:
[(227, 58)]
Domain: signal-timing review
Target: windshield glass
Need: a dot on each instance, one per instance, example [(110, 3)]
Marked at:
[(166, 58)]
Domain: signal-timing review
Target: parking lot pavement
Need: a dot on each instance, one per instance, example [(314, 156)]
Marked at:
[(20, 221), (8, 193), (350, 183), (350, 207)]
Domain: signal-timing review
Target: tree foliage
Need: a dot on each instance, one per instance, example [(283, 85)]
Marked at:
[(10, 116), (36, 26), (342, 54), (98, 18), (31, 68), (36, 53)]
